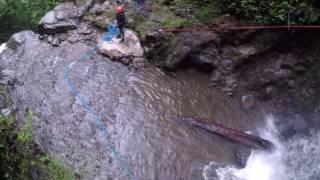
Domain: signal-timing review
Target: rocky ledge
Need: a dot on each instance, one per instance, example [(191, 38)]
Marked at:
[(79, 22), (276, 67)]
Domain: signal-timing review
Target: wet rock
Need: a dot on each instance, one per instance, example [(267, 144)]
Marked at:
[(49, 18), (83, 6), (74, 37), (66, 11), (154, 37), (50, 24), (61, 19), (242, 154), (36, 71), (137, 63), (84, 29), (3, 101), (185, 45), (50, 38), (53, 40), (266, 93), (125, 51), (103, 21), (100, 8), (7, 111), (16, 40), (248, 101), (292, 125)]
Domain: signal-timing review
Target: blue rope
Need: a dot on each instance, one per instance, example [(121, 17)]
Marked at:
[(111, 33)]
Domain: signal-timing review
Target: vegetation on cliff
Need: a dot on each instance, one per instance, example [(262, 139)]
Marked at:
[(261, 12), (20, 157), (17, 15)]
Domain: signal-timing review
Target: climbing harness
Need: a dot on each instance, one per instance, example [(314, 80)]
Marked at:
[(123, 165)]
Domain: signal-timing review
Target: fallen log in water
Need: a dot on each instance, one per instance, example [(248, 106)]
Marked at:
[(229, 133)]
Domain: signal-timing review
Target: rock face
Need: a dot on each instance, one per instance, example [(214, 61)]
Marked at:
[(64, 17), (253, 60), (130, 51), (63, 128), (61, 19), (276, 67), (182, 50), (73, 23), (220, 53), (33, 66)]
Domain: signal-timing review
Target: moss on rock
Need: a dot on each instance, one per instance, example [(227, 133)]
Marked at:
[(20, 158)]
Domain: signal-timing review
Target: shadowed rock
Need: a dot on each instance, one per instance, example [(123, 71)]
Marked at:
[(64, 17)]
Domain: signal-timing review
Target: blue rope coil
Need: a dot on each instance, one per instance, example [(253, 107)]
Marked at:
[(112, 32)]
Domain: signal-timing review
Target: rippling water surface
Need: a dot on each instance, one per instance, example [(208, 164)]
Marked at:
[(161, 148), (138, 107)]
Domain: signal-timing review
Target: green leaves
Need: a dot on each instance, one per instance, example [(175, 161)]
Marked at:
[(261, 11), (277, 11), (17, 15), (3, 7)]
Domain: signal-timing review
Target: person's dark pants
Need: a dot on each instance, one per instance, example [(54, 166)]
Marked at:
[(121, 32)]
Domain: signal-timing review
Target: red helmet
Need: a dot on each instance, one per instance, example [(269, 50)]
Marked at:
[(120, 9)]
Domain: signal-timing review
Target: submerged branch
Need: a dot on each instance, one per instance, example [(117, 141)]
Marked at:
[(229, 133)]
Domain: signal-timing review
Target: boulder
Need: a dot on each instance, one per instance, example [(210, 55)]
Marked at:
[(16, 40), (130, 50), (242, 154), (247, 101), (187, 44), (61, 19), (83, 6)]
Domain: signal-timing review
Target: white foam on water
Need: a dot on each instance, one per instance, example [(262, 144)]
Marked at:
[(295, 159), (265, 165), (3, 47)]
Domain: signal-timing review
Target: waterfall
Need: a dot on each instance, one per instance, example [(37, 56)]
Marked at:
[(297, 158), (3, 47)]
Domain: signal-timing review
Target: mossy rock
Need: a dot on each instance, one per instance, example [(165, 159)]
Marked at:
[(25, 133), (176, 23), (104, 20), (24, 160)]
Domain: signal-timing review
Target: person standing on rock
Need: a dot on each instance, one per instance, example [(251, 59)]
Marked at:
[(121, 19)]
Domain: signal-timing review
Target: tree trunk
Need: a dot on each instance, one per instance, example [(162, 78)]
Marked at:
[(229, 133)]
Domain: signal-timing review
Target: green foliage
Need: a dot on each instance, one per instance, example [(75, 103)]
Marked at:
[(17, 15), (176, 23), (142, 25), (204, 10), (6, 121), (25, 133), (261, 12), (205, 13), (57, 171), (23, 160)]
